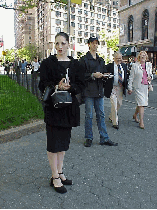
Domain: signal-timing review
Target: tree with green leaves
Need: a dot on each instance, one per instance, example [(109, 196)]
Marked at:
[(28, 52), (111, 39)]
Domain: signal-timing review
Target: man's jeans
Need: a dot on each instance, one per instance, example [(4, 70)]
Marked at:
[(98, 104)]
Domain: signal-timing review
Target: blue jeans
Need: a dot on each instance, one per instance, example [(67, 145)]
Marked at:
[(98, 104)]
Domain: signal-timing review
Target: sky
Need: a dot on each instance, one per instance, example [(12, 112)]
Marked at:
[(7, 27)]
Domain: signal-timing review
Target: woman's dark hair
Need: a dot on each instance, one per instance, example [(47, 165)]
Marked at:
[(64, 35)]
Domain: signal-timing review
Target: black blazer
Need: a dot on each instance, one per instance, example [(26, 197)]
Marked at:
[(50, 75), (94, 87), (109, 85)]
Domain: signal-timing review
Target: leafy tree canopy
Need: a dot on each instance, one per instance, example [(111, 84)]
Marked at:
[(111, 39)]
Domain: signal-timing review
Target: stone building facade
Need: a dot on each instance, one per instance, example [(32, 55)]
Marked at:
[(138, 28)]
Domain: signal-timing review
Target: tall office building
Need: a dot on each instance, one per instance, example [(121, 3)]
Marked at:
[(24, 27), (87, 19)]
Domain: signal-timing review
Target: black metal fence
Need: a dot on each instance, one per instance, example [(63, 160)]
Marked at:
[(29, 80)]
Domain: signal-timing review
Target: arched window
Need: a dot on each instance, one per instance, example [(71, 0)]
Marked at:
[(145, 19), (130, 28)]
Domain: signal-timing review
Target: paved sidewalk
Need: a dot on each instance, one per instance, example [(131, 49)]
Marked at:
[(103, 176)]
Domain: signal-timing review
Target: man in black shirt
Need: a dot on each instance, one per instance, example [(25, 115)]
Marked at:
[(94, 93)]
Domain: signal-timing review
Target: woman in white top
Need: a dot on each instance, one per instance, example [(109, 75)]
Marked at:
[(140, 75)]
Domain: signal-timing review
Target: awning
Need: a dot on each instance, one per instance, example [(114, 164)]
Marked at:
[(126, 50)]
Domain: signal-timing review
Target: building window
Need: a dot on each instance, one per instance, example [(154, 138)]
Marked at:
[(58, 29), (114, 26), (73, 17), (92, 34), (103, 10), (86, 27), (79, 11), (114, 13), (114, 20), (79, 40), (65, 16), (72, 9), (86, 12), (97, 22), (91, 7), (80, 19), (92, 21), (86, 20), (99, 16), (92, 14), (86, 41), (86, 5), (58, 22), (130, 29), (80, 33), (103, 17), (109, 25), (86, 34), (99, 9), (58, 14), (91, 28), (72, 24), (64, 23), (145, 19), (79, 26), (97, 29)]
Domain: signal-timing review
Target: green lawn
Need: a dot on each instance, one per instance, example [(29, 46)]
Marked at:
[(17, 105)]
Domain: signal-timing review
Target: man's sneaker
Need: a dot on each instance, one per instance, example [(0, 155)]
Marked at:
[(88, 143)]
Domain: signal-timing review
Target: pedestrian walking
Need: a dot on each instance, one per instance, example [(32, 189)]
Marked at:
[(59, 122), (94, 94), (118, 86), (35, 67), (140, 76), (23, 68)]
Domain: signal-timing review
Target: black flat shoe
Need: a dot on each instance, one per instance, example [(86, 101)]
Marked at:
[(66, 182), (88, 143), (110, 143), (61, 189), (115, 126)]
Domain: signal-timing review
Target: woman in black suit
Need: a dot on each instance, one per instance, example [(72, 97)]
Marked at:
[(59, 122)]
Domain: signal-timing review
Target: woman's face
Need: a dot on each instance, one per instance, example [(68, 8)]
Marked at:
[(61, 45), (143, 57)]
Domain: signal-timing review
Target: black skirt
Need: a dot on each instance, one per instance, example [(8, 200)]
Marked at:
[(58, 138)]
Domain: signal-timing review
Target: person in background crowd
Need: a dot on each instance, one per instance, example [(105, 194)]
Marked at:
[(140, 75), (35, 66), (119, 70), (94, 94), (23, 68), (59, 122)]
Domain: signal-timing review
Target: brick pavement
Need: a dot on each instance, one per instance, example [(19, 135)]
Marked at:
[(103, 177)]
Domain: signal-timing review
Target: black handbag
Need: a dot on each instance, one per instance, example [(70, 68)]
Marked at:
[(47, 94), (61, 99)]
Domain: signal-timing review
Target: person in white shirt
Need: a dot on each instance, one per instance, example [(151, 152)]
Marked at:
[(119, 70), (35, 65)]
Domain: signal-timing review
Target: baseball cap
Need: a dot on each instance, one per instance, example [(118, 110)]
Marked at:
[(92, 39)]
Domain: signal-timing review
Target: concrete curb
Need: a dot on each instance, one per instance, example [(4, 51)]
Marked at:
[(18, 132)]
